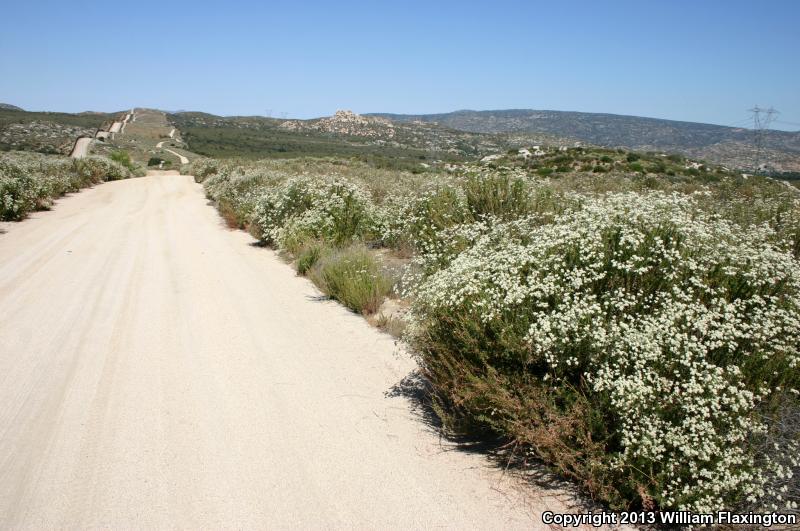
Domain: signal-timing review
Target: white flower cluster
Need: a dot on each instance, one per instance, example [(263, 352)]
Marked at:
[(676, 315), (236, 186), (29, 181), (683, 325), (332, 209)]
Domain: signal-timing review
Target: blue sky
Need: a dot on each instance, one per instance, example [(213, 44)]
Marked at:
[(704, 61)]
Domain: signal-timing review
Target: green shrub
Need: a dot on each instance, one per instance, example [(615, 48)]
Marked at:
[(123, 158), (496, 195), (203, 168), (308, 256), (353, 277), (658, 167)]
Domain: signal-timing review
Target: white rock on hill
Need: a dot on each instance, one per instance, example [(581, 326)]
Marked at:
[(345, 123)]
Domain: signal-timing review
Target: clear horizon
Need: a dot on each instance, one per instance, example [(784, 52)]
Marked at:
[(704, 63)]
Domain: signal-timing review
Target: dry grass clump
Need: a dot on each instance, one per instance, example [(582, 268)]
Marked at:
[(353, 277)]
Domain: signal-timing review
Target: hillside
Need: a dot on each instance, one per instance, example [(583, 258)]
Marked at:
[(379, 141), (8, 106), (45, 132), (720, 144)]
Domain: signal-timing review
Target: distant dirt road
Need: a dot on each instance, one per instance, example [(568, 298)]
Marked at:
[(81, 147), (159, 371), (183, 159)]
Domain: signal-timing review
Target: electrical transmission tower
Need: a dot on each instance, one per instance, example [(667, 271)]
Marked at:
[(762, 118)]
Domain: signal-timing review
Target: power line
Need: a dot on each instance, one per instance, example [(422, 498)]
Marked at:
[(740, 123), (762, 118)]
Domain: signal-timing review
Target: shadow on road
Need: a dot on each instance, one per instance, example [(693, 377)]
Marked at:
[(501, 453)]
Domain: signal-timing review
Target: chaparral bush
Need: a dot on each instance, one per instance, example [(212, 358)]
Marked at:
[(236, 193), (308, 255), (203, 168), (331, 209), (639, 344), (639, 333), (124, 159), (30, 181)]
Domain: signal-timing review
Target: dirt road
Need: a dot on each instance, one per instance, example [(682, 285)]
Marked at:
[(81, 147), (183, 159), (159, 371)]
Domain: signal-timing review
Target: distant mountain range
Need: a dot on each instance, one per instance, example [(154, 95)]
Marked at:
[(724, 145), (459, 134), (343, 134)]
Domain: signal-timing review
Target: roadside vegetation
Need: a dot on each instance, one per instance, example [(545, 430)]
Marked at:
[(31, 181), (631, 320), (123, 158)]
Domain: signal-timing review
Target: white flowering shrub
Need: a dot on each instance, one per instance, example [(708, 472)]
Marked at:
[(657, 338), (304, 208), (30, 181), (95, 169), (419, 221), (438, 221), (202, 168), (236, 191), (642, 343)]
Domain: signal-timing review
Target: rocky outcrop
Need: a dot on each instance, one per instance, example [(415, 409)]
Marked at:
[(345, 123)]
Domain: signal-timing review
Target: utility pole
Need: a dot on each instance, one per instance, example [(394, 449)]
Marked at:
[(762, 118)]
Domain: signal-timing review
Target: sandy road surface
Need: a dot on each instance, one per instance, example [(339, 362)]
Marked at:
[(183, 159), (158, 371), (81, 147), (161, 144)]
